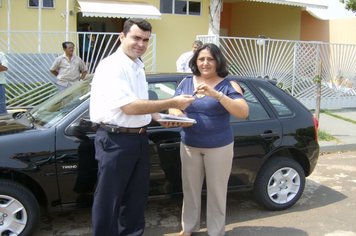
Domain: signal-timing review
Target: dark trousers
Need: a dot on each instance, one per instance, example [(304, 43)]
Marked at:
[(2, 99), (122, 188)]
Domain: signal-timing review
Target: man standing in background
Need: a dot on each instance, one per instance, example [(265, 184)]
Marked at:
[(68, 68), (3, 68), (183, 60)]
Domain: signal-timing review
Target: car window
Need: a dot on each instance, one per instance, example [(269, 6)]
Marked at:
[(280, 107), (256, 110), (161, 90), (58, 106)]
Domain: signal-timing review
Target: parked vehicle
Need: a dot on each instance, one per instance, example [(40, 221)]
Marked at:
[(47, 154)]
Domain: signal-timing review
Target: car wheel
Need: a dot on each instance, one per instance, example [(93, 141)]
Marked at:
[(19, 209), (279, 184)]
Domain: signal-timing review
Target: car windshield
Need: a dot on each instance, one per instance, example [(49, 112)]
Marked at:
[(55, 108)]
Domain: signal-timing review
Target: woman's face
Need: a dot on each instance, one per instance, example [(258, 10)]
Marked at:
[(206, 63)]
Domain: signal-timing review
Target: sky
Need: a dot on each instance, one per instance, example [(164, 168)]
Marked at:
[(336, 10)]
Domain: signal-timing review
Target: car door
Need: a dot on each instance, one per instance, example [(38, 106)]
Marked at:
[(76, 164), (255, 137), (164, 146)]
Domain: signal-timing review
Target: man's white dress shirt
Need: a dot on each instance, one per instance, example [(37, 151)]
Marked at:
[(118, 81)]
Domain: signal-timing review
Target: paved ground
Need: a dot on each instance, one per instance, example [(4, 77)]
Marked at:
[(344, 131), (326, 208)]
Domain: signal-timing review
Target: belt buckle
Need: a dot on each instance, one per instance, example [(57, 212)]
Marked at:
[(141, 130), (111, 128)]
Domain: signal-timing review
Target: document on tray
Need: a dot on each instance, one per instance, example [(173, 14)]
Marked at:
[(172, 118)]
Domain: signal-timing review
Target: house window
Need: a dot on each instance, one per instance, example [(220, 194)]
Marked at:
[(46, 3), (181, 7)]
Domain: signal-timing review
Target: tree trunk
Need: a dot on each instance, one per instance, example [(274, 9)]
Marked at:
[(214, 17), (318, 92)]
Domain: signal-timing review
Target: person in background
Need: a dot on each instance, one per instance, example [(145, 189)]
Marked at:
[(68, 68), (86, 45), (3, 68), (119, 103), (207, 147), (183, 61)]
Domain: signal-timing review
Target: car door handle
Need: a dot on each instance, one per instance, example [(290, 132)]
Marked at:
[(269, 134), (169, 146)]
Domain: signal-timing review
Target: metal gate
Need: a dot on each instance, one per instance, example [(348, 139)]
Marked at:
[(295, 65), (30, 55)]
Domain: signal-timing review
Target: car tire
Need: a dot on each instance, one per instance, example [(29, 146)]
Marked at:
[(279, 184), (19, 209)]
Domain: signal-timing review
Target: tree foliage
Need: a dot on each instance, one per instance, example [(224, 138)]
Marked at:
[(350, 5)]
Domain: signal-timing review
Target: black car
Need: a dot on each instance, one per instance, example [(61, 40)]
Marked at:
[(47, 154)]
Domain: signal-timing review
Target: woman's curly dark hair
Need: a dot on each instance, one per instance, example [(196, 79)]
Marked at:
[(221, 64)]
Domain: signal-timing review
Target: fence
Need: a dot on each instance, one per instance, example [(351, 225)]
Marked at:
[(295, 65), (31, 54)]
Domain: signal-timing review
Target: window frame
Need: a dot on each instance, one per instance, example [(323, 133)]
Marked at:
[(43, 7), (281, 103), (187, 3)]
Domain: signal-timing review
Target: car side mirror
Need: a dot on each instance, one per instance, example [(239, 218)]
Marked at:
[(81, 128)]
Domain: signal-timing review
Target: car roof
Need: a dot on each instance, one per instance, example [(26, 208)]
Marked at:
[(173, 76)]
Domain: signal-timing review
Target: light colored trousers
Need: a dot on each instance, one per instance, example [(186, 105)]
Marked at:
[(215, 164)]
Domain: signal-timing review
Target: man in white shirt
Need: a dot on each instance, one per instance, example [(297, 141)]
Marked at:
[(183, 60), (68, 68), (3, 68), (119, 103)]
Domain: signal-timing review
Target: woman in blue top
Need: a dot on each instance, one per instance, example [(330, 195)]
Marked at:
[(207, 146)]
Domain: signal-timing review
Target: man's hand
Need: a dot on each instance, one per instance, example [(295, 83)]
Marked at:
[(183, 101)]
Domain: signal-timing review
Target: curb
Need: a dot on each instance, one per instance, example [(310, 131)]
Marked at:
[(338, 148)]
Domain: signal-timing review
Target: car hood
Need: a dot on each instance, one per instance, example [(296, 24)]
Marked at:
[(9, 124)]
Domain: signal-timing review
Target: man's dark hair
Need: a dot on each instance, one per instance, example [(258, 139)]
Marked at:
[(198, 43), (65, 44), (141, 23), (221, 64)]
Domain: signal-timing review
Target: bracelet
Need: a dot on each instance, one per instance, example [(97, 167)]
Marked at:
[(221, 95)]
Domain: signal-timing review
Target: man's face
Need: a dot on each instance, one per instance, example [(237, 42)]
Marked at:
[(69, 50), (195, 47), (135, 43)]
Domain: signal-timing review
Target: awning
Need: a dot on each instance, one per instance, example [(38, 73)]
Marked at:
[(105, 8), (336, 10), (298, 3)]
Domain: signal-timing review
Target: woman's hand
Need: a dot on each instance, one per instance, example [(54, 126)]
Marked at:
[(204, 89)]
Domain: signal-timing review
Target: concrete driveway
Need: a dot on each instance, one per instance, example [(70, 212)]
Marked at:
[(327, 207)]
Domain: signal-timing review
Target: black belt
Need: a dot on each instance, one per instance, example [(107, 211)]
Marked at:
[(118, 130)]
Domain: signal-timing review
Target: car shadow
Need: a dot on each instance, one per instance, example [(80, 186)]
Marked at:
[(315, 195), (260, 230), (163, 215)]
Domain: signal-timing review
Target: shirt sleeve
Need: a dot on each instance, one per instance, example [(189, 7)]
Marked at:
[(3, 60), (232, 93), (180, 63), (55, 65), (82, 66), (182, 86), (112, 88)]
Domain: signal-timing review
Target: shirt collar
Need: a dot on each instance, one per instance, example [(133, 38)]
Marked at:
[(137, 63), (67, 58)]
